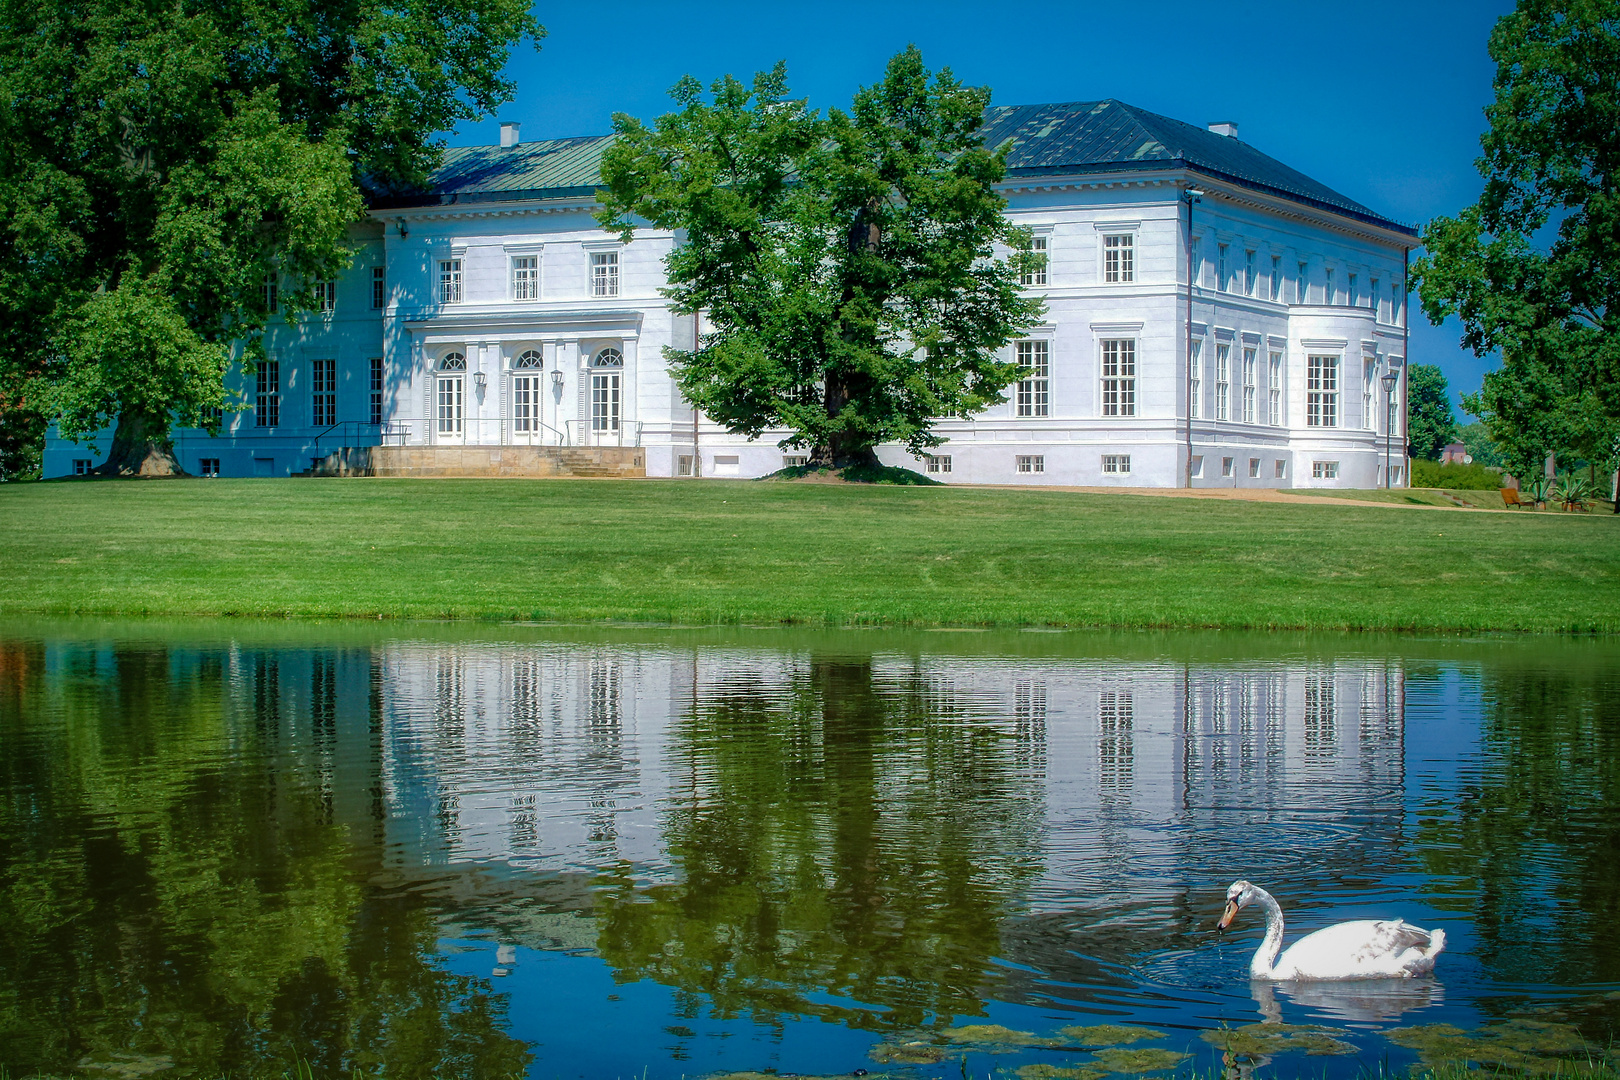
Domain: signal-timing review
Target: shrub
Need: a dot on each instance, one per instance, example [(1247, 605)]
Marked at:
[(1475, 477)]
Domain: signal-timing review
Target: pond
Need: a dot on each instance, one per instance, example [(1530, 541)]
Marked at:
[(455, 850)]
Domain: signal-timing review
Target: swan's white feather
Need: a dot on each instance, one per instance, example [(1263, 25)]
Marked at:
[(1363, 949)]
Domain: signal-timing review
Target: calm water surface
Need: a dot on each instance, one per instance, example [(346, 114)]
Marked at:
[(485, 852)]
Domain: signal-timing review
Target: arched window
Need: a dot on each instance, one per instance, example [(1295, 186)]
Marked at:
[(453, 362), (529, 358), (608, 358)]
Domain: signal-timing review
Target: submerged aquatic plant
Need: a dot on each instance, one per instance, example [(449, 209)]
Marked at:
[(1521, 1045), (1108, 1035), (1259, 1041)]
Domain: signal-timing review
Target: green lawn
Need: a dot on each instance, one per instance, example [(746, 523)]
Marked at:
[(702, 552)]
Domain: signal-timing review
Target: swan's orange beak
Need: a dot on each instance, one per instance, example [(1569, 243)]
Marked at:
[(1228, 915)]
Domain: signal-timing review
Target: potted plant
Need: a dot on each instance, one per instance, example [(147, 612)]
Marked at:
[(1538, 489), (1575, 492)]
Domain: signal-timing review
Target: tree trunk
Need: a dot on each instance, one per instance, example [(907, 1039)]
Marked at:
[(843, 449), (141, 447)]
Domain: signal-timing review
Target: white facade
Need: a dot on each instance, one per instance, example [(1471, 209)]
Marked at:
[(511, 320)]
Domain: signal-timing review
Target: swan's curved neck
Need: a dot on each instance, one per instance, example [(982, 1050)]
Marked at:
[(1265, 957)]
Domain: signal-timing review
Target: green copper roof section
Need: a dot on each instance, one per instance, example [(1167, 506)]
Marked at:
[(1073, 138)]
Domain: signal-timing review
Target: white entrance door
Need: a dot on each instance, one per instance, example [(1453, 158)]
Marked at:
[(526, 409), (450, 397), (605, 406)]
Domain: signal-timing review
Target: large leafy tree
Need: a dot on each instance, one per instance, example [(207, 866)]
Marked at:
[(162, 158), (1533, 268), (1430, 425), (844, 264)]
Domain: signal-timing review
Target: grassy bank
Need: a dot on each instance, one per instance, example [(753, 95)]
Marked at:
[(725, 552)]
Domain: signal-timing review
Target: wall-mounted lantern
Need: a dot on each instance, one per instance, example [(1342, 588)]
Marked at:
[(557, 379), (480, 379), (399, 223)]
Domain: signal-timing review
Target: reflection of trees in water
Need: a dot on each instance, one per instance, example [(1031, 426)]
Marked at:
[(175, 885), (849, 841), (1536, 828)]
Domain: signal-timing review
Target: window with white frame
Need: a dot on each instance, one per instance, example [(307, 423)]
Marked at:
[(376, 390), (326, 295), (1223, 379), (526, 277), (1254, 467), (1325, 470), (1039, 250), (450, 387), (1248, 385), (604, 273), (323, 392), (1228, 466), (1195, 368), (1322, 391), (1223, 267), (795, 461), (453, 362), (528, 360), (607, 388), (1281, 470), (1250, 273), (526, 389), (1368, 416), (1031, 463), (1119, 258), (683, 465), (1330, 290), (1375, 297), (1302, 283), (208, 466), (82, 466), (449, 281), (1354, 283), (1197, 466), (1033, 396), (1119, 377), (937, 463), (1116, 464), (1395, 298), (1274, 378), (1276, 277), (379, 288), (267, 398), (1197, 261)]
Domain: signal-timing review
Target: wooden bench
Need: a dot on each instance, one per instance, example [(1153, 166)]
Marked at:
[(1510, 497)]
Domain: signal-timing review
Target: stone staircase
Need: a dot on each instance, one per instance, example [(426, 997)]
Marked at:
[(489, 461)]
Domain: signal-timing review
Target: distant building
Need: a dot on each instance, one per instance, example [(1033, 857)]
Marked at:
[(1456, 453), (490, 312)]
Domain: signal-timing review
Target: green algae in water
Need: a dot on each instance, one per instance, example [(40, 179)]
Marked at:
[(996, 1035), (1059, 1072), (914, 1052), (1145, 1060), (1265, 1040), (1530, 1046), (1108, 1035)]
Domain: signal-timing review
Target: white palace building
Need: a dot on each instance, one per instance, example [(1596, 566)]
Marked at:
[(489, 326)]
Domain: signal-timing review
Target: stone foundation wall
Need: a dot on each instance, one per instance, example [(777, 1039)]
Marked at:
[(532, 461)]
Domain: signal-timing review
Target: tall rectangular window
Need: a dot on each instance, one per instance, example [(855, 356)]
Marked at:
[(1354, 282), (1395, 298), (1276, 277), (1034, 385), (1223, 267), (1195, 385), (267, 401), (1248, 385), (606, 388), (1301, 282), (1119, 377), (1223, 380), (526, 277), (1375, 296), (1119, 259), (1274, 388), (604, 273), (323, 392), (1036, 273), (1330, 290), (1249, 273), (272, 294), (449, 281), (1368, 416), (326, 295), (1322, 391), (525, 403), (1197, 269), (379, 288), (376, 389)]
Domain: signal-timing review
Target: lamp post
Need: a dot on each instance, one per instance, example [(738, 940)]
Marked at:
[(1389, 379)]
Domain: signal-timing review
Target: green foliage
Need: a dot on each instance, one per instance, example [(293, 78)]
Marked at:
[(1430, 425), (858, 473), (1533, 269), (1476, 439), (1574, 492), (183, 152), (1454, 476), (846, 264)]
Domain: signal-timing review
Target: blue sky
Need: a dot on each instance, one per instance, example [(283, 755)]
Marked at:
[(1380, 99)]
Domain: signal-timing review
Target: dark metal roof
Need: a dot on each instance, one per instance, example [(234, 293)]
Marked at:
[(1042, 140)]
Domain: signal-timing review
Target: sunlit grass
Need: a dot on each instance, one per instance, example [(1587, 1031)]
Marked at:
[(718, 552)]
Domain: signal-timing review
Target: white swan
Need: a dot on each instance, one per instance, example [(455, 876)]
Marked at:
[(1364, 949)]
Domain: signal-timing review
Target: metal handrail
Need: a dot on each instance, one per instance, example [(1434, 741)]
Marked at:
[(628, 433)]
